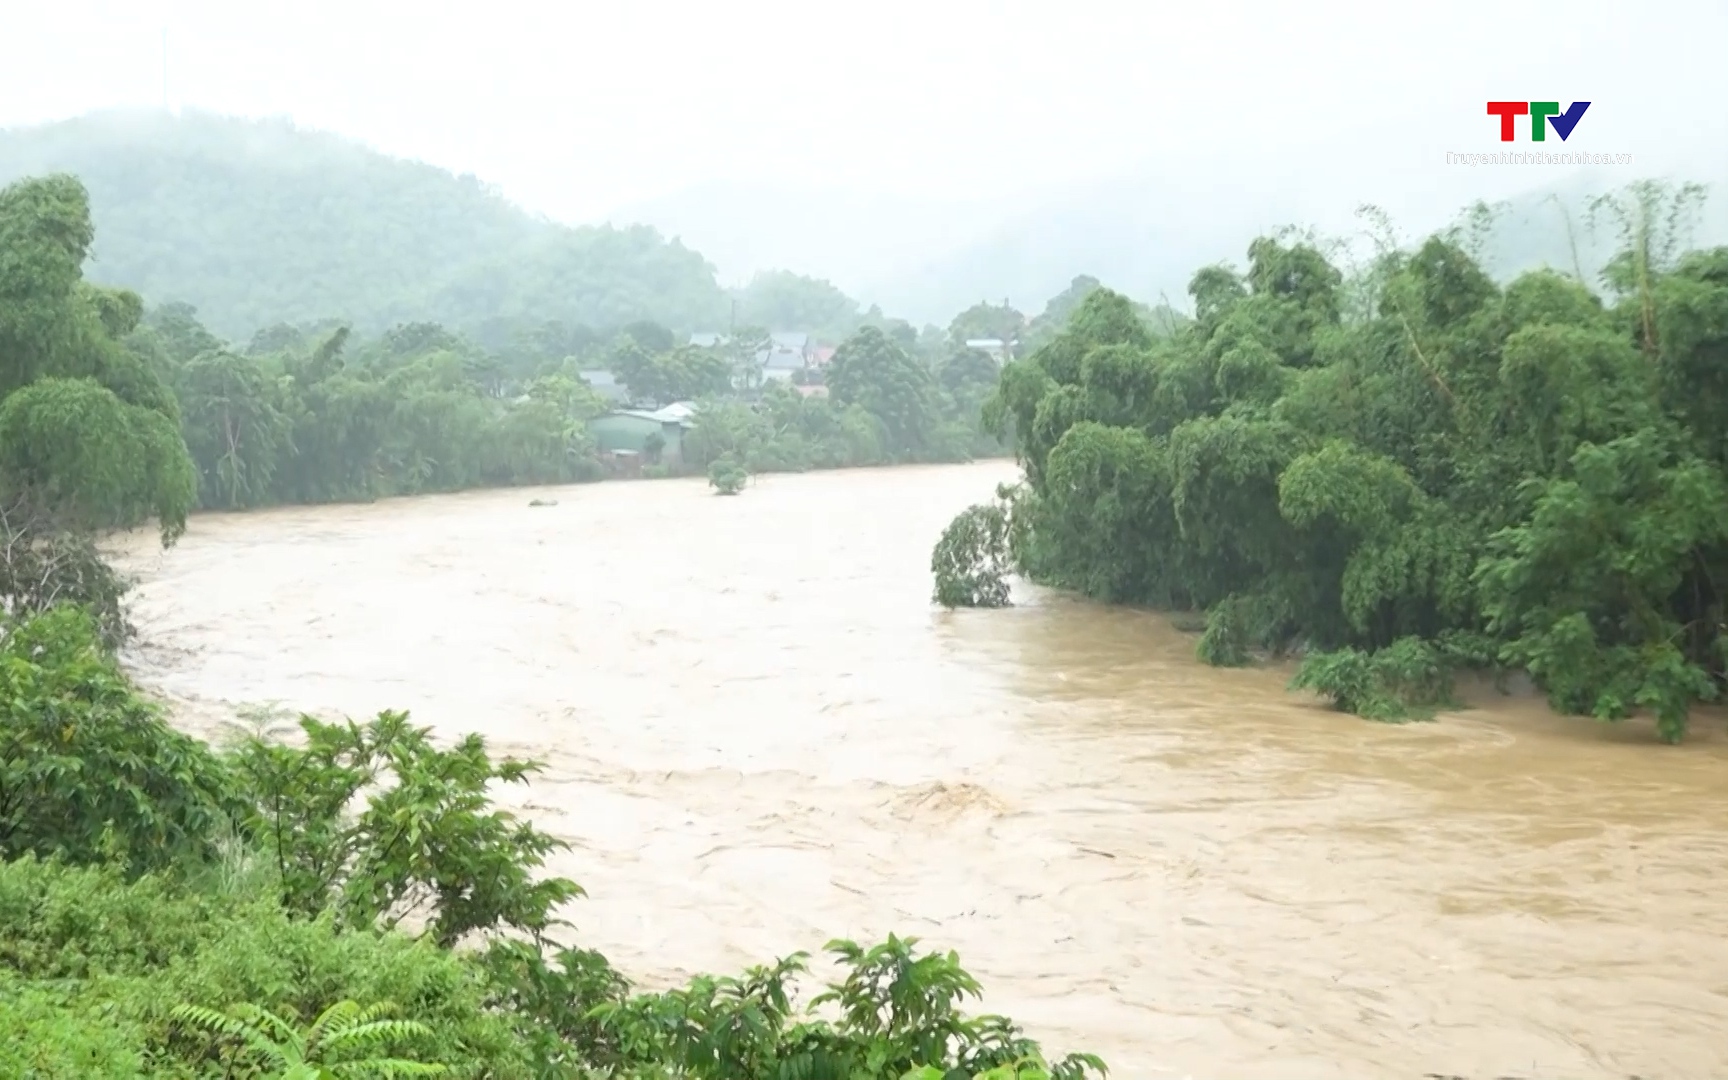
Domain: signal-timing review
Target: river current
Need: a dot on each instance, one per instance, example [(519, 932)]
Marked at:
[(761, 735)]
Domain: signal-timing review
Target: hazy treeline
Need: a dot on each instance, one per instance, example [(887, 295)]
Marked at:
[(1399, 471), (306, 416)]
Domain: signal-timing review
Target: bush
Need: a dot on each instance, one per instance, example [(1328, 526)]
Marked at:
[(897, 1014), (89, 771), (971, 560), (726, 476), (427, 845), (92, 944), (1408, 680)]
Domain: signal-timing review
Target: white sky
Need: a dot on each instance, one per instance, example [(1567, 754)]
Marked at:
[(581, 107)]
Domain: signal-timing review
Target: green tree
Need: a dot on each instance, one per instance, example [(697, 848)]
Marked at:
[(986, 321), (89, 770), (1403, 473), (85, 427), (427, 847), (236, 429), (874, 373)]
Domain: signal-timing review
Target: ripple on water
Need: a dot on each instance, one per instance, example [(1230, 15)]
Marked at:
[(760, 736)]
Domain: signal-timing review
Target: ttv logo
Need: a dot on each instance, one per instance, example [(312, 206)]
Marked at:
[(1537, 111)]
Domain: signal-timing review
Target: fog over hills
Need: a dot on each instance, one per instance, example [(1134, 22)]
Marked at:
[(1144, 232), (256, 222)]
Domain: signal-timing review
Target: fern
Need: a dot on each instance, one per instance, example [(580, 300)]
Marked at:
[(344, 1028)]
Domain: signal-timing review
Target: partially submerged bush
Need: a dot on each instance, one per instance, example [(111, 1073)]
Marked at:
[(971, 561), (1240, 625), (727, 476), (1408, 680)]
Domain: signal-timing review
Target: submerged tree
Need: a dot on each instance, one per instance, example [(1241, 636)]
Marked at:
[(971, 561), (727, 476), (1414, 470)]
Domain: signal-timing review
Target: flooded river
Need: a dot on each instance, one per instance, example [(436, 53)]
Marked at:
[(760, 736)]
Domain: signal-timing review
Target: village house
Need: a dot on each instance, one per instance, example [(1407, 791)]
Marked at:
[(628, 438), (786, 352)]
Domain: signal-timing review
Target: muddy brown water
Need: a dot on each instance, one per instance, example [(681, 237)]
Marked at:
[(760, 736)]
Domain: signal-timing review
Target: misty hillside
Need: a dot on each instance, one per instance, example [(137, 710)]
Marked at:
[(1144, 232), (257, 222), (1555, 227)]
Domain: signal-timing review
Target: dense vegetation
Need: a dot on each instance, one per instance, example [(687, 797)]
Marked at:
[(315, 413), (349, 902), (317, 417), (1399, 472)]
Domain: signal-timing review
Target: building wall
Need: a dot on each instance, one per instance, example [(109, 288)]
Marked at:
[(620, 431)]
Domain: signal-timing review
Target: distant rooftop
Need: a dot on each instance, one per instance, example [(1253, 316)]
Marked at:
[(671, 414), (605, 384), (784, 339)]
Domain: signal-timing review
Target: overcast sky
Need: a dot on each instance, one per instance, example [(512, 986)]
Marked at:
[(578, 108)]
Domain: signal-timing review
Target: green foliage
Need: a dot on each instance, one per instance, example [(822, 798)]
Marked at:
[(984, 321), (971, 562), (1405, 471), (88, 769), (684, 373), (897, 1014), (44, 564), (553, 1001), (427, 847), (727, 476), (337, 1046), (1407, 680), (117, 415), (236, 427), (871, 371), (785, 432), (52, 1035), (97, 459), (85, 428), (99, 961), (1583, 589)]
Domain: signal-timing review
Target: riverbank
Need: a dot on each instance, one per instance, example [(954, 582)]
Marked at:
[(761, 735)]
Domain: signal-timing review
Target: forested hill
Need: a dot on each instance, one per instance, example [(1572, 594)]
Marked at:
[(258, 222)]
